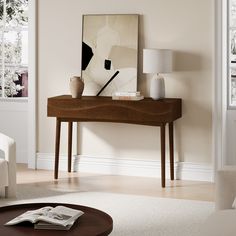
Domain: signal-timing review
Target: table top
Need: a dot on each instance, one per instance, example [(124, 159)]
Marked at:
[(92, 222)]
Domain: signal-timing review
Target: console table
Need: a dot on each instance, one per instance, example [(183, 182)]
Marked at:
[(104, 109)]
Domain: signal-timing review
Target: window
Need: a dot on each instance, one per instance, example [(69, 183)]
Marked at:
[(13, 48), (232, 53)]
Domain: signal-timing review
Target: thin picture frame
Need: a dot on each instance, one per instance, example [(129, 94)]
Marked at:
[(109, 60)]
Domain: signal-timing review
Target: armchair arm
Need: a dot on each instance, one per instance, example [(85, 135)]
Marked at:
[(8, 146)]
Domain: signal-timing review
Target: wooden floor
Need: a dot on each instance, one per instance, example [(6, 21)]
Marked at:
[(192, 190)]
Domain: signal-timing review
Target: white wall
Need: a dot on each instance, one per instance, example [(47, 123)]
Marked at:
[(186, 26), (13, 122)]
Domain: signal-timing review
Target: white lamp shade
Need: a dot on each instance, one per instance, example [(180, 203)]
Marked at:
[(157, 61)]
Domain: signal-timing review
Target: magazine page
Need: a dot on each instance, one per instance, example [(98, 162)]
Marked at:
[(61, 215), (31, 216)]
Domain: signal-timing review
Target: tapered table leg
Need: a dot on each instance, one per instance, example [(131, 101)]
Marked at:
[(70, 126), (57, 147), (171, 142), (163, 164)]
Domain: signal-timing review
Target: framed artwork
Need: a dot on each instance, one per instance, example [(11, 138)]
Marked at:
[(109, 53)]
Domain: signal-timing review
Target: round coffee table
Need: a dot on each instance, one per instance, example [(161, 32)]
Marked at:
[(92, 222)]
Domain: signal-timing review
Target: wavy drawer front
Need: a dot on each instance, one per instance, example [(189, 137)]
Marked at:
[(104, 109)]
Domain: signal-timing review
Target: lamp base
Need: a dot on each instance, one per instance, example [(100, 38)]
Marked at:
[(157, 88)]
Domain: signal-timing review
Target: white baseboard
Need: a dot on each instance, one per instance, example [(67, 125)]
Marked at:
[(194, 171), (22, 156), (124, 166)]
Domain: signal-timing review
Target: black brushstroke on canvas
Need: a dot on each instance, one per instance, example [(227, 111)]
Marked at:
[(87, 54), (107, 64), (108, 82)]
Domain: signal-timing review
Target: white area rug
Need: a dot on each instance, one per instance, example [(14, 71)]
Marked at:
[(132, 215)]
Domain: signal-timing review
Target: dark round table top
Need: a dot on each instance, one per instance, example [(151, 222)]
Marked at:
[(92, 222)]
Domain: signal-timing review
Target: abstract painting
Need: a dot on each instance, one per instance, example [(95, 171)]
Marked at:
[(109, 53)]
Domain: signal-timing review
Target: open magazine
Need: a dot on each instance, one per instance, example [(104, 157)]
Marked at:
[(59, 217)]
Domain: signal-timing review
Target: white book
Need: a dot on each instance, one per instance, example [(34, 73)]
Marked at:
[(128, 98), (127, 93), (60, 216)]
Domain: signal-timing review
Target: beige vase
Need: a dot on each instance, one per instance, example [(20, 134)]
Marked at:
[(76, 86)]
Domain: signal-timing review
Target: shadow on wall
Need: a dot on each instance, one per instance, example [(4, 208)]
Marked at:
[(120, 139), (185, 61), (190, 79), (192, 122)]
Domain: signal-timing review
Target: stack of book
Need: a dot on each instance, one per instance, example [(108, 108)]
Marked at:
[(134, 96)]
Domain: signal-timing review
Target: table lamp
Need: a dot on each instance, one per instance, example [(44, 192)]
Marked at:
[(157, 61)]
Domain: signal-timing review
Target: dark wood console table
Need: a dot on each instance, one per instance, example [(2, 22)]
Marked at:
[(104, 109)]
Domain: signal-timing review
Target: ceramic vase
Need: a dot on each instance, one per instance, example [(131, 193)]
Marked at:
[(76, 86)]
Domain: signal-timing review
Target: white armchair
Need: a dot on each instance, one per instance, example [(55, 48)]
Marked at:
[(223, 220), (225, 187), (8, 166)]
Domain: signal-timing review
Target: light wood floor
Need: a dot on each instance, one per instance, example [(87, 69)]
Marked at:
[(192, 190)]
